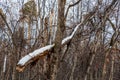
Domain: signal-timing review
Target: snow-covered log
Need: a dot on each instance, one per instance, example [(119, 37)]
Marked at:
[(31, 57)]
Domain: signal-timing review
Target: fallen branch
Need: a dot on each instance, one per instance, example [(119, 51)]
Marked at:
[(31, 57), (37, 54)]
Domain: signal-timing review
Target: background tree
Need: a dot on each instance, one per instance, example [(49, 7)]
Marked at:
[(79, 39)]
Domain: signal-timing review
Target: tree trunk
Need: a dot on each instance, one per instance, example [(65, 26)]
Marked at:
[(59, 36)]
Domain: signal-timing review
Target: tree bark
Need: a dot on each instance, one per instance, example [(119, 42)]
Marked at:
[(59, 36)]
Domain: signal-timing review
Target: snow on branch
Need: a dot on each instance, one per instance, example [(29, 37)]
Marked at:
[(71, 36), (4, 66), (35, 55)]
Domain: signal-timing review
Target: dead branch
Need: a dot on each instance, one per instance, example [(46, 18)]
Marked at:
[(2, 16), (112, 25), (32, 57), (71, 5), (37, 54)]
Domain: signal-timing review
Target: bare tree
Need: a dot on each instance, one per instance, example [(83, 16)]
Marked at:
[(59, 40)]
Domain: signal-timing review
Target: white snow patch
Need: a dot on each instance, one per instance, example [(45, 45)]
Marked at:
[(41, 50), (34, 53), (71, 36), (66, 39), (24, 59), (4, 66)]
